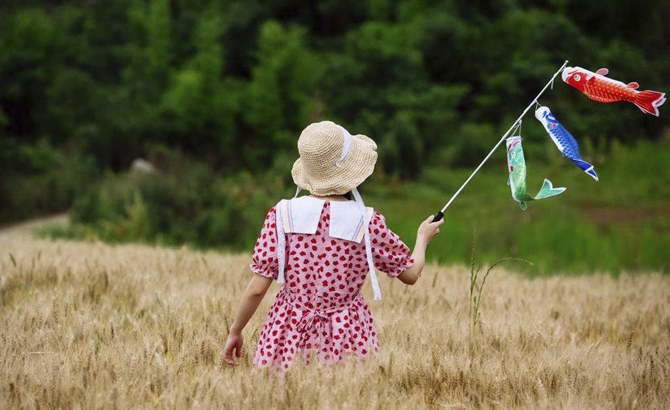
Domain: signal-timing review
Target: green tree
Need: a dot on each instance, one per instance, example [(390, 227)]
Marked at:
[(199, 107), (158, 41), (28, 43), (281, 98)]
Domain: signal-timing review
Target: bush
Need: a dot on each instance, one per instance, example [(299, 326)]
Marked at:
[(183, 202), (40, 179)]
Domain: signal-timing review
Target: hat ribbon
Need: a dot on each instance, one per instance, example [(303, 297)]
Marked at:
[(345, 148)]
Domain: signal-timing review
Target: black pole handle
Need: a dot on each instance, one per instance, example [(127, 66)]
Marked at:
[(438, 217)]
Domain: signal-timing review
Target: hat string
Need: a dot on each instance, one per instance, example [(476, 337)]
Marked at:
[(281, 243), (345, 148), (368, 245)]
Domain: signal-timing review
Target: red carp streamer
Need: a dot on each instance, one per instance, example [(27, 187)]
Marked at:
[(606, 90)]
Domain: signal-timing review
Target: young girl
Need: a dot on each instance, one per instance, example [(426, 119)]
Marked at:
[(321, 247)]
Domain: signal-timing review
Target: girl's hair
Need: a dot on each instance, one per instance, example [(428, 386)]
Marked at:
[(347, 195)]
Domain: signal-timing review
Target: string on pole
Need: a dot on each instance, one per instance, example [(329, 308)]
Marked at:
[(440, 214)]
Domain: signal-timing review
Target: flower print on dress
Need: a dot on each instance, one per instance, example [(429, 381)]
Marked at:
[(320, 312)]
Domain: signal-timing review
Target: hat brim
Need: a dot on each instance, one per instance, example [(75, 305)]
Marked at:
[(331, 180)]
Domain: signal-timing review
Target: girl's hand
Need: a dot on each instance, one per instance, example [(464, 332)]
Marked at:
[(234, 342), (428, 231)]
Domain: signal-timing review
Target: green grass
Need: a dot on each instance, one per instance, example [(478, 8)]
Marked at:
[(621, 223)]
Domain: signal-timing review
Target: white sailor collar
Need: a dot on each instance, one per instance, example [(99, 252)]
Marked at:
[(301, 215)]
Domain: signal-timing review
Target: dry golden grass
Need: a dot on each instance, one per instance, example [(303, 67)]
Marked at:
[(88, 325)]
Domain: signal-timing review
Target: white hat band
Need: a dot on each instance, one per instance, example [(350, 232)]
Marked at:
[(345, 148)]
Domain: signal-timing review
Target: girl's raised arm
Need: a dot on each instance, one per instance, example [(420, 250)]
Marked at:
[(427, 232)]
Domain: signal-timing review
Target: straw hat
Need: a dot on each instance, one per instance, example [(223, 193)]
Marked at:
[(332, 162)]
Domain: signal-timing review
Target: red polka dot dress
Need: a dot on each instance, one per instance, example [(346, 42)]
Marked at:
[(320, 312)]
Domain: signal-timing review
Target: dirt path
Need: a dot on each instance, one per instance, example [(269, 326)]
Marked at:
[(27, 229)]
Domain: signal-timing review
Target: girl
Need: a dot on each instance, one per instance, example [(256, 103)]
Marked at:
[(321, 247)]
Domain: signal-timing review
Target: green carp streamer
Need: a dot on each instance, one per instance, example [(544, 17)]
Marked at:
[(517, 176)]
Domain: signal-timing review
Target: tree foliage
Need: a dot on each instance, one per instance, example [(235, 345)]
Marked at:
[(233, 83)]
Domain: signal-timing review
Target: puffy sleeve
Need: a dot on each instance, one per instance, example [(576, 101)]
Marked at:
[(264, 258), (389, 252)]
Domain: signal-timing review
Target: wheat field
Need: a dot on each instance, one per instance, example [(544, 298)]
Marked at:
[(90, 325)]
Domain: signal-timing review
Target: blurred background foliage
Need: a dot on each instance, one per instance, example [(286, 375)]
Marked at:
[(215, 93)]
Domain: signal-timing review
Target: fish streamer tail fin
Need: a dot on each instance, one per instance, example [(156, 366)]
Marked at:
[(548, 190), (586, 167), (649, 101)]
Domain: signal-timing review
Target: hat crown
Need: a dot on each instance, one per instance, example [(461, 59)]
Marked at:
[(321, 143), (331, 160)]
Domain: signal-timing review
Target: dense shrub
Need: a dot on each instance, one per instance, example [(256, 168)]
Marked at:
[(38, 179), (182, 202)]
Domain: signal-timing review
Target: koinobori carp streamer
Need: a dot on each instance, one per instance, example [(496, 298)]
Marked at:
[(565, 142), (517, 176), (606, 90)]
